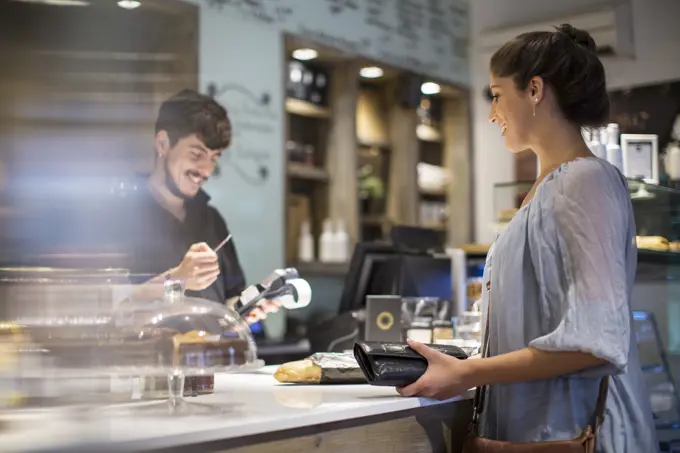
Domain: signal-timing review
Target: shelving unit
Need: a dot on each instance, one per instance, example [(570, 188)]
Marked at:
[(367, 139), (374, 157), (432, 202), (306, 109), (306, 172), (430, 134), (443, 143), (319, 98)]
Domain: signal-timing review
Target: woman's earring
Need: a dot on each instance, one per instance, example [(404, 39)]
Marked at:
[(534, 106)]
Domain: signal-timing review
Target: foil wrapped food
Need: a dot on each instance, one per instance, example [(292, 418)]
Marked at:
[(322, 368)]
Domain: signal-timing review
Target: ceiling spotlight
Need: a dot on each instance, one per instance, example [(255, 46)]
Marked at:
[(305, 54), (371, 72), (129, 4), (430, 88)]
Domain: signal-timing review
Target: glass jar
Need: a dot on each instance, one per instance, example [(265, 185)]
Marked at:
[(442, 330), (420, 330)]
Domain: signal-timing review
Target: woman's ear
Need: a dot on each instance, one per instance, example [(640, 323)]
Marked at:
[(536, 89)]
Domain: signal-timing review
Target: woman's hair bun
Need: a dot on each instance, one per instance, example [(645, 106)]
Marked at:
[(580, 37)]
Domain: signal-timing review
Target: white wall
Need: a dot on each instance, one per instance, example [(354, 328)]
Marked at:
[(245, 61), (657, 39), (657, 46)]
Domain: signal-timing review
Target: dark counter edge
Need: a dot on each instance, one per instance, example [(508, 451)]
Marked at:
[(318, 269), (658, 257), (216, 446)]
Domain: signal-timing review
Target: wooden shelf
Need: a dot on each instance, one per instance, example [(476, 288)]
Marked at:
[(375, 220), (434, 226), (304, 108), (428, 134), (379, 145), (476, 249), (433, 192), (318, 269), (301, 171)]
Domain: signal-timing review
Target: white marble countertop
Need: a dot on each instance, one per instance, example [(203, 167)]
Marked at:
[(252, 404)]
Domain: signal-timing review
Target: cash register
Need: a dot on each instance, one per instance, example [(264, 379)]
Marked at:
[(379, 269)]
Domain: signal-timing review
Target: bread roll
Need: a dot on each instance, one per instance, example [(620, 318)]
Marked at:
[(299, 372), (322, 368), (652, 243)]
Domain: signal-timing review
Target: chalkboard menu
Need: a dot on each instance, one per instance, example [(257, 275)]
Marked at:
[(425, 36)]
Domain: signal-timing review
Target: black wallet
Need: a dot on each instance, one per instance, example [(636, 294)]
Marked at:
[(395, 364)]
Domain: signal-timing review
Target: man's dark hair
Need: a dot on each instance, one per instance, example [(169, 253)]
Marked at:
[(189, 112), (567, 61)]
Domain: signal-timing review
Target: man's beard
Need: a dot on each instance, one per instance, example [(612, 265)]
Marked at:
[(172, 186)]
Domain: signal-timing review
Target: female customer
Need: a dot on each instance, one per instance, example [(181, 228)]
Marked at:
[(558, 279)]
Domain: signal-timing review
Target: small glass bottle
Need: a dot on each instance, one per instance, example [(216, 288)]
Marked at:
[(420, 330)]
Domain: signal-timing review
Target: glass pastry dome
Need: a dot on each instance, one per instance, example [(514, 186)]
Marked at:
[(181, 333)]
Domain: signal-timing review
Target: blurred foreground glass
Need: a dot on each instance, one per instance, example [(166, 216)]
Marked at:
[(59, 333), (51, 321)]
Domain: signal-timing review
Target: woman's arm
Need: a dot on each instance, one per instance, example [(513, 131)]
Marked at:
[(447, 376), (528, 364)]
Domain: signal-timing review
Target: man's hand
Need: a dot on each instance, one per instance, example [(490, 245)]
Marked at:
[(261, 311), (199, 269), (258, 313), (445, 376)]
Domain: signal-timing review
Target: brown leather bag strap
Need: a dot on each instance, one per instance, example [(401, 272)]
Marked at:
[(600, 406), (480, 391)]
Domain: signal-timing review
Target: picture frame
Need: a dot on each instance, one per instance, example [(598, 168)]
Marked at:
[(640, 154)]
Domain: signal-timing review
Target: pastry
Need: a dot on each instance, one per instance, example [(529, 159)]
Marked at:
[(506, 215), (652, 243), (299, 372), (202, 350), (674, 246), (322, 368)]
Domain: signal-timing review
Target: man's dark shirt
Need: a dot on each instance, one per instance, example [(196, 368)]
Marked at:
[(156, 241)]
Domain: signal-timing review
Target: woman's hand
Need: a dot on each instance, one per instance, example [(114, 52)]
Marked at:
[(445, 377)]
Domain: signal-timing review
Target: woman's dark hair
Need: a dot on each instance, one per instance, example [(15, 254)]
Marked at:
[(189, 112), (566, 60)]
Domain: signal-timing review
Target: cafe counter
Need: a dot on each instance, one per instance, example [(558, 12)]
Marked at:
[(259, 415)]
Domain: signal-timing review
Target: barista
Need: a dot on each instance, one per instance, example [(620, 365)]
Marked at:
[(173, 229)]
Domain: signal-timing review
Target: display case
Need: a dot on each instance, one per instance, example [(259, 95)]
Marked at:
[(657, 288), (656, 208), (657, 213)]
